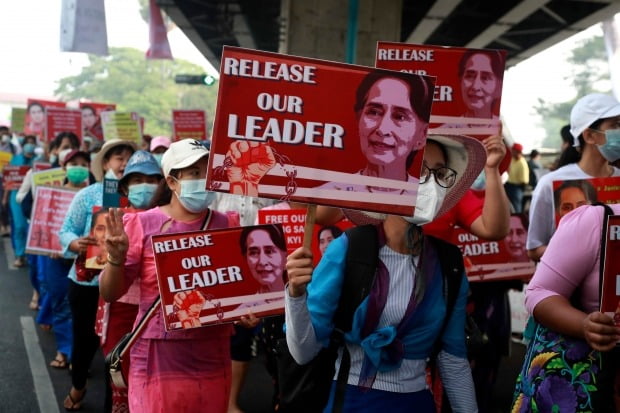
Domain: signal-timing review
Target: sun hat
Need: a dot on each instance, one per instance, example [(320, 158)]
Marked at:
[(159, 141), (466, 156), (588, 110), (97, 165), (182, 154), (68, 154), (141, 162)]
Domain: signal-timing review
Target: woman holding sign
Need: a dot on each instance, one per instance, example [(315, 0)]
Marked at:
[(186, 370), (404, 319)]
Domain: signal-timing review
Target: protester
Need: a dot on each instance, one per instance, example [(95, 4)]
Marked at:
[(518, 178), (8, 147), (159, 145), (568, 153), (398, 381), (535, 167), (590, 117), (83, 285), (186, 370), (564, 296)]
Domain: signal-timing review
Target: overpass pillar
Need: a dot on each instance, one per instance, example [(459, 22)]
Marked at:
[(318, 28)]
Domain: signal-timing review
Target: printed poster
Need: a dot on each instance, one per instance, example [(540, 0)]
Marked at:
[(293, 222), (610, 295), (5, 159), (35, 119), (49, 208), (312, 131), (111, 197), (91, 118), (97, 255), (189, 124), (18, 119), (496, 260), (121, 125), (13, 176), (217, 276), (572, 193), (48, 177), (62, 120)]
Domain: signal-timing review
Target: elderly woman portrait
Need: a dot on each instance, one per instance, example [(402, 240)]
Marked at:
[(481, 74)]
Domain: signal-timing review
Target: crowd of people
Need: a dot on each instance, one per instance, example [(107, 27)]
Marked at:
[(404, 324)]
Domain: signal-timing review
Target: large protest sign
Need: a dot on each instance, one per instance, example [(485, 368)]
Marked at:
[(496, 260), (610, 294), (13, 176), (48, 213), (62, 120), (572, 193), (35, 120), (469, 83), (312, 131), (293, 222), (209, 277), (189, 124), (121, 125)]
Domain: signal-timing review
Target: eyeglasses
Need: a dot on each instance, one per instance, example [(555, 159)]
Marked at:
[(444, 176)]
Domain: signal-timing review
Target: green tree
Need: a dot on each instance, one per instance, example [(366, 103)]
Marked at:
[(135, 84), (590, 74)]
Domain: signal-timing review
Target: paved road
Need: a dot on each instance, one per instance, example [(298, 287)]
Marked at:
[(27, 384)]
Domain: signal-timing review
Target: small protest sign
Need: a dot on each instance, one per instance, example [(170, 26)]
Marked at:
[(210, 277), (49, 208), (48, 177), (189, 124), (570, 194), (610, 294), (18, 119), (5, 159), (121, 125), (35, 119), (299, 129), (13, 176), (62, 120), (111, 197), (91, 118)]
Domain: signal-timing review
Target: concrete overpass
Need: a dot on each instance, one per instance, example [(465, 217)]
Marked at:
[(318, 28)]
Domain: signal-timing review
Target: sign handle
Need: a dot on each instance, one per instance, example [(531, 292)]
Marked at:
[(309, 227)]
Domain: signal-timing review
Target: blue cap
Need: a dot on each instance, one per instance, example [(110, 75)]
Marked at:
[(141, 162)]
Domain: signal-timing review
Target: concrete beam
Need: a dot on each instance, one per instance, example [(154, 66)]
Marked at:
[(435, 16)]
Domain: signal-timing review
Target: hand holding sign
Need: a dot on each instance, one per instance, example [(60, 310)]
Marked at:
[(299, 270), (189, 305), (250, 162), (496, 150), (600, 332), (116, 240)]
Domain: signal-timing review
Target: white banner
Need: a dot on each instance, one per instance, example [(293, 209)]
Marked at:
[(83, 27)]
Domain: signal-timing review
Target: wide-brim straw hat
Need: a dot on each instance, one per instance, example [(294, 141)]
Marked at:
[(96, 166)]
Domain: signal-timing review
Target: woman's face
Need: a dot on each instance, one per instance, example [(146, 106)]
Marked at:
[(325, 238), (479, 84), (389, 129), (99, 229), (265, 259), (89, 118), (515, 241), (36, 114), (571, 198)]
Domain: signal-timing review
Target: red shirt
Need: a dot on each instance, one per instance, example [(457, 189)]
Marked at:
[(463, 214)]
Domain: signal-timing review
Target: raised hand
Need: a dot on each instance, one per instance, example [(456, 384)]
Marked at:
[(116, 240), (189, 304), (299, 269), (250, 162), (496, 150)]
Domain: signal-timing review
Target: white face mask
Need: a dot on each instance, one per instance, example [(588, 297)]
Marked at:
[(428, 204), (111, 175)]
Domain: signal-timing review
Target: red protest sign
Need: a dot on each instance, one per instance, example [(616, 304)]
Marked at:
[(62, 120), (496, 260), (293, 221), (610, 294), (35, 116), (48, 213), (209, 277), (572, 193), (189, 124), (314, 131), (13, 176), (91, 118)]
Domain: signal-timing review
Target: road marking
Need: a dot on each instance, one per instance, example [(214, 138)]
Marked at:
[(8, 248), (40, 376)]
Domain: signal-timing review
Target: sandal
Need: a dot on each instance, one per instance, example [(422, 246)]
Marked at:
[(75, 404), (59, 363), (34, 304)]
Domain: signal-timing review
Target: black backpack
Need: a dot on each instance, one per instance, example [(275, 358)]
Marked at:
[(306, 388)]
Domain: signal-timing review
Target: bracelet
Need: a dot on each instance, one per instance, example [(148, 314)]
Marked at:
[(114, 263)]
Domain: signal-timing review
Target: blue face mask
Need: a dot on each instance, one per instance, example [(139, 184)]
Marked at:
[(141, 195), (194, 197), (158, 157), (611, 149), (480, 183), (29, 148)]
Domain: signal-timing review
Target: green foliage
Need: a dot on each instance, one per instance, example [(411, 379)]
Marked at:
[(136, 84), (590, 69)]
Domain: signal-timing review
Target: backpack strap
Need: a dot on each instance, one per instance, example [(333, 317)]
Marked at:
[(608, 211), (452, 269), (360, 269)]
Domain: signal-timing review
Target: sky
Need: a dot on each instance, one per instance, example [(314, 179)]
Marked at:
[(33, 62)]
